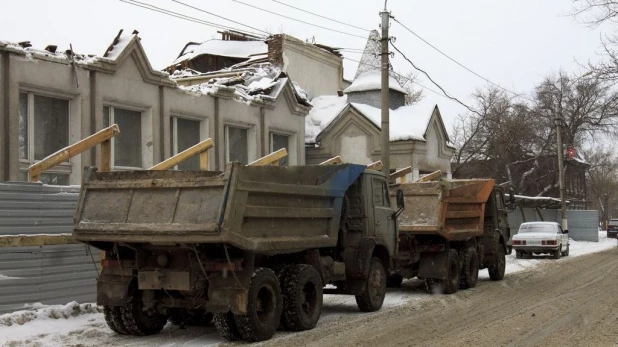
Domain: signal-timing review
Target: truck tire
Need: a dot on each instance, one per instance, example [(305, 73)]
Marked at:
[(226, 326), (450, 285), (302, 292), (558, 253), (137, 321), (394, 281), (264, 307), (497, 265), (113, 318), (195, 317), (469, 269), (374, 288)]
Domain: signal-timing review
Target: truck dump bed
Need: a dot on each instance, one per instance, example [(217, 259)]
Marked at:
[(454, 209), (262, 209)]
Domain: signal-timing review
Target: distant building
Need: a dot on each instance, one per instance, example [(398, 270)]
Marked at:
[(349, 125), (51, 99)]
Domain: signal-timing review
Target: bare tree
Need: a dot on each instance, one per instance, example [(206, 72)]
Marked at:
[(407, 82), (602, 180), (596, 12)]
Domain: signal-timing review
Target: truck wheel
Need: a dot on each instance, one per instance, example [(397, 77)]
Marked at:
[(450, 285), (137, 319), (263, 307), (469, 269), (226, 326), (302, 292), (558, 253), (374, 288), (497, 266), (113, 318), (394, 281)]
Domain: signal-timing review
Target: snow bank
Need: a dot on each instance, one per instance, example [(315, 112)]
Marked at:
[(38, 311)]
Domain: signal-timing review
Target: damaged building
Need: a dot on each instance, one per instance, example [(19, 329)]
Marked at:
[(52, 98)]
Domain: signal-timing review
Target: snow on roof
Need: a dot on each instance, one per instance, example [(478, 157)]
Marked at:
[(372, 81), (406, 122), (119, 44), (325, 109), (224, 48)]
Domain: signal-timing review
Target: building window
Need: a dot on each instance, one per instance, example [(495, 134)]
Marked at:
[(127, 146), (43, 130), (277, 142), (236, 145), (185, 133)]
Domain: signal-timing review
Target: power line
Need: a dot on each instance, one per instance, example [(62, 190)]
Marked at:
[(298, 20), (218, 16), (181, 16), (321, 16), (434, 82), (458, 63)]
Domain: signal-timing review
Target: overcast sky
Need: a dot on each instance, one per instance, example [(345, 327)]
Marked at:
[(514, 43)]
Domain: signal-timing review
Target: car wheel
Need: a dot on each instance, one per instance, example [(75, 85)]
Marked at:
[(519, 254), (558, 253)]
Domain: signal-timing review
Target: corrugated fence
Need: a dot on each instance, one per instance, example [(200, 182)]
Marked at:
[(49, 274), (583, 225)]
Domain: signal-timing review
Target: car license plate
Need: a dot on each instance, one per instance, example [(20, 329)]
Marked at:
[(533, 243)]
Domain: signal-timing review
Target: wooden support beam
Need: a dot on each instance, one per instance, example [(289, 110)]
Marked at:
[(332, 161), (200, 149), (378, 166), (401, 173), (430, 177), (69, 152), (36, 240), (270, 159)]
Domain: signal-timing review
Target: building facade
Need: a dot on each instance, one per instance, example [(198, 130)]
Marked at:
[(53, 99)]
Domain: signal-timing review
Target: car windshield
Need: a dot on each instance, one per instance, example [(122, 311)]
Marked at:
[(537, 228), (613, 222)]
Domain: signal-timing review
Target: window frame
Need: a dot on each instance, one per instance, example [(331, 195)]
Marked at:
[(203, 127), (111, 120), (271, 143), (227, 139), (64, 168)]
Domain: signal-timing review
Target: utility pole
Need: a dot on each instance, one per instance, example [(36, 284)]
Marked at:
[(558, 121), (385, 133)]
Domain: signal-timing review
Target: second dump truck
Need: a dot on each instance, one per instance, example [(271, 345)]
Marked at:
[(255, 246)]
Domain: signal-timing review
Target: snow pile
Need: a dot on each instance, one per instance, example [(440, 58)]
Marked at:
[(325, 109), (223, 48), (39, 311), (372, 81)]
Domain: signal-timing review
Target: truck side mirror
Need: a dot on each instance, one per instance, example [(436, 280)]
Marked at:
[(400, 201)]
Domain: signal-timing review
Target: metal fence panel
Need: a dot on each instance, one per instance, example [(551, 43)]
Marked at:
[(583, 225), (49, 274)]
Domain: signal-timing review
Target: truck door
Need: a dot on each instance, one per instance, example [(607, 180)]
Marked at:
[(383, 214)]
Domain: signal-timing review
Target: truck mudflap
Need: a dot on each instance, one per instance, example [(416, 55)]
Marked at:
[(229, 292), (433, 265), (357, 264), (112, 289)]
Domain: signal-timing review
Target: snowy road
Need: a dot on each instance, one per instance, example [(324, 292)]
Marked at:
[(66, 327)]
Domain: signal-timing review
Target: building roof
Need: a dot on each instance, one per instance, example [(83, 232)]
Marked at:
[(406, 123), (223, 48), (372, 81)]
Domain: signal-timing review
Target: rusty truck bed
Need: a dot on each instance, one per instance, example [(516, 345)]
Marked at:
[(454, 209), (261, 209)]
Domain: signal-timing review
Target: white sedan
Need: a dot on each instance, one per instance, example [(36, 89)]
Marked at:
[(539, 238)]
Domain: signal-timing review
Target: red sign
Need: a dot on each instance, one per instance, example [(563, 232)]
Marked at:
[(571, 153)]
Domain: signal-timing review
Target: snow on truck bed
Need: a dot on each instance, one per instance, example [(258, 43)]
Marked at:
[(83, 325)]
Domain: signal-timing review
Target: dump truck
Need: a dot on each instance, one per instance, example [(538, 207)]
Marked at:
[(251, 248), (449, 230)]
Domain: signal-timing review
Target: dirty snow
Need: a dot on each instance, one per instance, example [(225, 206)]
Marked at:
[(82, 325), (224, 48), (372, 81)]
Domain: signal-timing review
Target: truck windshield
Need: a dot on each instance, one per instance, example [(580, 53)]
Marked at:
[(537, 228), (613, 222)]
